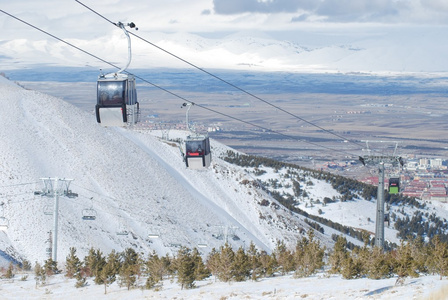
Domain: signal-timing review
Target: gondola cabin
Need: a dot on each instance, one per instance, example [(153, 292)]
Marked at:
[(116, 100), (197, 152), (394, 186)]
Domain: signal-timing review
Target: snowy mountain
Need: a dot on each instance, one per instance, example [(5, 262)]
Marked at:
[(132, 180), (398, 51)]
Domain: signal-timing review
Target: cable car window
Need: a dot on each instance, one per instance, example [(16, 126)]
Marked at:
[(111, 93), (195, 147)]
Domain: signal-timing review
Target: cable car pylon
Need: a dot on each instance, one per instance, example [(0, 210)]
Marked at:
[(381, 160), (197, 147), (117, 103)]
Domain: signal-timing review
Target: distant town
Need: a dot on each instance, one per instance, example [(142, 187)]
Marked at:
[(423, 178)]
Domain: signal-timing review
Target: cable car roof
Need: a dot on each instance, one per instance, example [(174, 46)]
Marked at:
[(114, 76)]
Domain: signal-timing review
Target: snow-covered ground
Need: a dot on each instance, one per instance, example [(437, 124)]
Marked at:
[(319, 286)]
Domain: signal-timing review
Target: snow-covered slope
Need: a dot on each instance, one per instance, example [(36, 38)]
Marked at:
[(133, 180)]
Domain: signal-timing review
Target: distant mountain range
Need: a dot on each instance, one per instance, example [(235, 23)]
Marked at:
[(385, 53)]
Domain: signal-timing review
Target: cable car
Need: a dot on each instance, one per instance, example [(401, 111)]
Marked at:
[(197, 148), (117, 103), (394, 185), (117, 100)]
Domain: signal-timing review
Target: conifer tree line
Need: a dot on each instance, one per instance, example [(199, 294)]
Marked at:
[(421, 224), (130, 269)]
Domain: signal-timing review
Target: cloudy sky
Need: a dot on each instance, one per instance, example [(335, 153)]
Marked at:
[(308, 23), (218, 17)]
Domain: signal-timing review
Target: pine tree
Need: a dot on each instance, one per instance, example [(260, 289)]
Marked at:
[(155, 270), (420, 254), (94, 263), (212, 262), (185, 268), (268, 264), (361, 258), (109, 271), (226, 258), (339, 255), (404, 262), (107, 275), (284, 258), (200, 270), (72, 264), (40, 274), (51, 267), (241, 266), (26, 265), (308, 256), (350, 268), (439, 257), (10, 272), (130, 268), (379, 264), (254, 262)]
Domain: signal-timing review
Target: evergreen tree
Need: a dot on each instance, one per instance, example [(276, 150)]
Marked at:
[(379, 264), (339, 255), (226, 258), (40, 274), (10, 272), (26, 265), (309, 256), (200, 270), (185, 268), (254, 262), (439, 257), (130, 268), (361, 258), (72, 264), (268, 264), (155, 270), (94, 263), (284, 257), (420, 254), (51, 267), (404, 262), (241, 266), (107, 275), (351, 268), (212, 262)]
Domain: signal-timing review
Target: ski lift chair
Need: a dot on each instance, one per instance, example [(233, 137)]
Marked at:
[(89, 214)]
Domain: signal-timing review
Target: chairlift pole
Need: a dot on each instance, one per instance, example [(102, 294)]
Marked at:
[(54, 251), (53, 190)]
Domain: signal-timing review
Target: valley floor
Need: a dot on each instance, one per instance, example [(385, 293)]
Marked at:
[(283, 287)]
